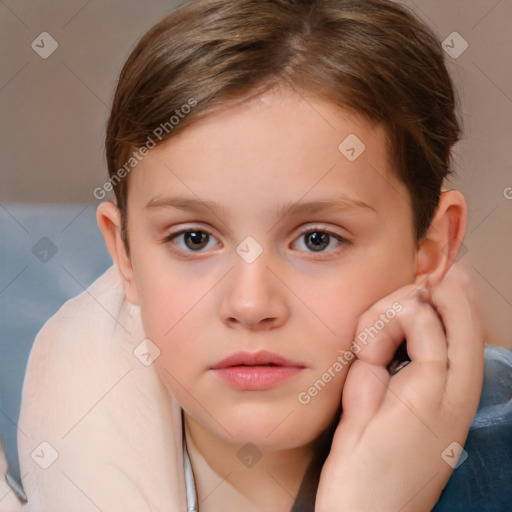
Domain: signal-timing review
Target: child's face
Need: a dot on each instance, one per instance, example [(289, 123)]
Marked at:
[(201, 301)]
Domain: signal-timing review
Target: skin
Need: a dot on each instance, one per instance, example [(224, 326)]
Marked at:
[(201, 306)]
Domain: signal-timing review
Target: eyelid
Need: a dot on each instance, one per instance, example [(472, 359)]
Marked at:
[(175, 234), (323, 228)]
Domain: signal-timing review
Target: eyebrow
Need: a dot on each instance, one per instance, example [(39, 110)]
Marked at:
[(341, 202)]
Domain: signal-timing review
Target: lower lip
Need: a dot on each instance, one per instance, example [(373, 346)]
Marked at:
[(256, 378)]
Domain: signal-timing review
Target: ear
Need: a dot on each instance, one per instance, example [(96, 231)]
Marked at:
[(108, 217), (439, 248)]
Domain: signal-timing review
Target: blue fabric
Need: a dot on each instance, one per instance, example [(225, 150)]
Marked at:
[(483, 482)]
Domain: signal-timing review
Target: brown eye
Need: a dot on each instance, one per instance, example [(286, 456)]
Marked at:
[(191, 240), (195, 240), (319, 241)]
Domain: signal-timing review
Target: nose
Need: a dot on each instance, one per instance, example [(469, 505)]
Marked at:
[(254, 297)]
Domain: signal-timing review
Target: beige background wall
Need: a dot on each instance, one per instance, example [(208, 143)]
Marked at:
[(53, 112)]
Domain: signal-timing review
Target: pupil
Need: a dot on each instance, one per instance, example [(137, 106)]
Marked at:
[(318, 239), (198, 239)]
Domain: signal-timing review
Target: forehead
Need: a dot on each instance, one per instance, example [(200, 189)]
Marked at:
[(277, 148)]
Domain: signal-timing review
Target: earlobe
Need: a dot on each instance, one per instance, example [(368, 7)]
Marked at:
[(439, 248), (108, 217)]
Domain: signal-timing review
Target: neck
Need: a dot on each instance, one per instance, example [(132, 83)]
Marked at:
[(230, 478)]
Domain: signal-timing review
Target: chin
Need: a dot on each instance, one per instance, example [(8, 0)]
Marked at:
[(268, 428)]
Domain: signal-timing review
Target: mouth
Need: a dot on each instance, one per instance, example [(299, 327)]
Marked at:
[(256, 371)]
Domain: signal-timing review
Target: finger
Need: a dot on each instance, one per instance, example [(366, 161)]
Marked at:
[(415, 321), (375, 327), (363, 394), (424, 332), (364, 390), (421, 384), (454, 301)]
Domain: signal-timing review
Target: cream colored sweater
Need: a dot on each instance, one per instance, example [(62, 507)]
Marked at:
[(98, 429)]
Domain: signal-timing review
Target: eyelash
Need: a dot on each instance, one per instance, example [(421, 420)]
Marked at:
[(169, 240)]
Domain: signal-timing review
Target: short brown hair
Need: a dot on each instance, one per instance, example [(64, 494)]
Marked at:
[(373, 56)]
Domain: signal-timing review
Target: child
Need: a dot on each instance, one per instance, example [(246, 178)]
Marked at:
[(279, 230)]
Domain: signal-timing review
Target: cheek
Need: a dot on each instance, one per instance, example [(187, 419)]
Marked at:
[(171, 320), (331, 318), (333, 311), (175, 312), (331, 307)]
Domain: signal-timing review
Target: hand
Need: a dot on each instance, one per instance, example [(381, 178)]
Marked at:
[(386, 450)]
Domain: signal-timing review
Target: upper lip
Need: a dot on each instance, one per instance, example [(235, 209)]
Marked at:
[(262, 357)]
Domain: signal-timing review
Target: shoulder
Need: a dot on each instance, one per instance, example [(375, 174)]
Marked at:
[(483, 481)]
